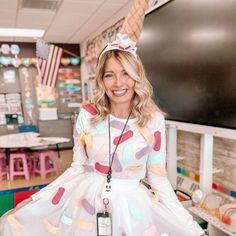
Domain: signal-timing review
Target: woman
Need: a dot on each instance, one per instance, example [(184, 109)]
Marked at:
[(119, 140)]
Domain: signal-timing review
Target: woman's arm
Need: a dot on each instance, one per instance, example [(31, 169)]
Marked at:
[(157, 178), (76, 167), (79, 156)]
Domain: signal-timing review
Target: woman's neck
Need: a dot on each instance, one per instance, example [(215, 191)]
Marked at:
[(122, 112)]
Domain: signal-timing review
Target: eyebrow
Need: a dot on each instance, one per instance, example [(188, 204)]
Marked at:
[(108, 71), (111, 71)]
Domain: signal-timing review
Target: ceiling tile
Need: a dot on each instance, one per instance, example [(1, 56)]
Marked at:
[(79, 7), (6, 4), (107, 10), (87, 1), (30, 19), (121, 2), (7, 18), (74, 21), (84, 33)]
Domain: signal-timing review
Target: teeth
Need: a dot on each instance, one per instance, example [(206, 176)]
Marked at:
[(119, 92)]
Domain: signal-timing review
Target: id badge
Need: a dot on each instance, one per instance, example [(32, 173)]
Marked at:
[(104, 226)]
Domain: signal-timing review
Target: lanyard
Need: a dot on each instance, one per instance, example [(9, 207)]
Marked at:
[(111, 158)]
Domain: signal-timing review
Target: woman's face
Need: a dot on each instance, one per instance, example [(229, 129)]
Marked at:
[(118, 84)]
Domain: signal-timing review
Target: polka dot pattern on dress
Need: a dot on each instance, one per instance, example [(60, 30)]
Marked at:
[(57, 197), (90, 108)]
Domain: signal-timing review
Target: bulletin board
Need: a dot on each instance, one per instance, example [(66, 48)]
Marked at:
[(69, 90)]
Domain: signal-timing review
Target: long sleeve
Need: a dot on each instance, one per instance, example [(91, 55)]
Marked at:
[(157, 178), (79, 156)]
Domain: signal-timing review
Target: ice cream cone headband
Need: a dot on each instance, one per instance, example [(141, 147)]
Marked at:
[(130, 32), (122, 43)]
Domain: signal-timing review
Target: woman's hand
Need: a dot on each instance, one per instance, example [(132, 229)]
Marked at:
[(19, 206)]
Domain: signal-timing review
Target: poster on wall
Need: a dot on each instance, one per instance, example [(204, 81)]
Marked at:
[(46, 96), (95, 46), (69, 90), (9, 76)]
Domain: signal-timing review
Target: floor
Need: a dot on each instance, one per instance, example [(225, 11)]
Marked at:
[(65, 161)]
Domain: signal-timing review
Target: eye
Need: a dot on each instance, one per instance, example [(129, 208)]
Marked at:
[(108, 76), (124, 73)]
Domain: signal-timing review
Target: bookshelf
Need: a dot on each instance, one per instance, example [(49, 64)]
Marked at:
[(215, 227)]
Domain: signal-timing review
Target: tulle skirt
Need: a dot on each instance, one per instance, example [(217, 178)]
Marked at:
[(70, 210)]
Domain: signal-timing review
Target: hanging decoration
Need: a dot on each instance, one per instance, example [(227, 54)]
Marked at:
[(15, 49), (5, 49), (34, 60), (95, 46), (9, 56), (75, 61), (65, 61), (28, 100), (26, 61), (16, 62), (5, 61)]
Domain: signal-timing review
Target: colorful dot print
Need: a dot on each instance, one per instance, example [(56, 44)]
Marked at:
[(56, 199), (89, 108), (127, 135)]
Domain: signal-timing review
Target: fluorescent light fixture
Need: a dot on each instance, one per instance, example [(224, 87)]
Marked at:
[(16, 32)]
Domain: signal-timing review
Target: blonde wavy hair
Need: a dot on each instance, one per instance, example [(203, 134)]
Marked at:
[(142, 105)]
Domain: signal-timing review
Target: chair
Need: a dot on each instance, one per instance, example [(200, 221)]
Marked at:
[(3, 166), (19, 165), (29, 158), (45, 162)]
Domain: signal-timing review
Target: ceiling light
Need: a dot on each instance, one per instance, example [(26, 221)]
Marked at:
[(16, 32)]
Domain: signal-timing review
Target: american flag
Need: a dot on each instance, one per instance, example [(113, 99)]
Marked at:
[(48, 68)]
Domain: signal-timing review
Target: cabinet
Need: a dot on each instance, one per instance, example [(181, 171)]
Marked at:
[(206, 164), (18, 102), (9, 80), (215, 226), (11, 113)]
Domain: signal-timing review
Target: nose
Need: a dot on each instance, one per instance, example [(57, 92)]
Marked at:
[(118, 81)]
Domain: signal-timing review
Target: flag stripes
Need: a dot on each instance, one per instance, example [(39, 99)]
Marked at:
[(48, 69)]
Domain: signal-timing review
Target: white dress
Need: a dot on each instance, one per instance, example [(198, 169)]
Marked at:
[(68, 206)]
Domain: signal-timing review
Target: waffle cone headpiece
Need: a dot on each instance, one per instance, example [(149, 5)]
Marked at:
[(131, 30), (133, 23)]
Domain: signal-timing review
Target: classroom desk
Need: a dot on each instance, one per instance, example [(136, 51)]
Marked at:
[(29, 140)]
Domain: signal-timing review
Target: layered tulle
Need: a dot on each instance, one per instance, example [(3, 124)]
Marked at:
[(71, 210)]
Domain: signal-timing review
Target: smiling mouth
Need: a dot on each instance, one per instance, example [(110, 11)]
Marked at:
[(119, 92)]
